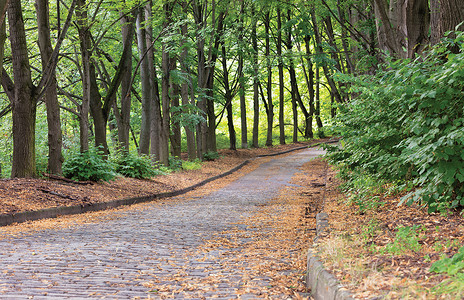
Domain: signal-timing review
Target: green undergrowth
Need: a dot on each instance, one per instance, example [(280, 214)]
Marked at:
[(405, 127)]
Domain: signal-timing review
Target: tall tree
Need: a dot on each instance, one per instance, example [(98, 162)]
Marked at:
[(23, 104), (402, 25), (255, 60), (144, 143), (242, 92), (55, 140), (280, 66), (270, 103)]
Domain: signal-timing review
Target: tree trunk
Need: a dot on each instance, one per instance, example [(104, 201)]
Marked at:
[(320, 51), (156, 137), (402, 25), (175, 136), (254, 41), (317, 110), (55, 140), (23, 104), (228, 97), (243, 109), (189, 129), (445, 16), (155, 125), (309, 77), (280, 66), (3, 8), (270, 104), (84, 40), (124, 116), (144, 141)]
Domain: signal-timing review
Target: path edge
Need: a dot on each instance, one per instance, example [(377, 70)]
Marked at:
[(322, 283), (54, 212)]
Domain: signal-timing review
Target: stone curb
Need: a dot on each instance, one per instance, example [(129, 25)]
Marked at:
[(53, 212), (323, 285)]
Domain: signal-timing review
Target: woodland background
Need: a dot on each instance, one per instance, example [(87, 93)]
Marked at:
[(144, 81)]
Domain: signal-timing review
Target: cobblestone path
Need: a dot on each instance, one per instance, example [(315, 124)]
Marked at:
[(127, 256)]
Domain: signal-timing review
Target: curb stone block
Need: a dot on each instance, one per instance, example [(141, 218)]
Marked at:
[(323, 285)]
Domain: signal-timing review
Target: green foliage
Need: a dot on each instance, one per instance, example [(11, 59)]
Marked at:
[(406, 125), (406, 240), (187, 116), (134, 166), (450, 266), (89, 165), (191, 165), (454, 267), (211, 155), (175, 163)]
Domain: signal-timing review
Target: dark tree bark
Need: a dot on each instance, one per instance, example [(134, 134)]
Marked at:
[(243, 109), (144, 142), (309, 77), (23, 104), (445, 16), (55, 140), (254, 41), (189, 130), (155, 125), (402, 25), (270, 104), (175, 136), (280, 66), (165, 97), (85, 46), (3, 8), (320, 51), (228, 97), (124, 115)]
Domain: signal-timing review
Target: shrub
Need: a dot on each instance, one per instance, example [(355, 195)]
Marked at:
[(89, 165), (406, 125), (175, 163), (210, 156), (191, 165), (134, 166)]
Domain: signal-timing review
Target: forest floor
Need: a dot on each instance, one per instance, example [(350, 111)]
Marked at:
[(386, 252)]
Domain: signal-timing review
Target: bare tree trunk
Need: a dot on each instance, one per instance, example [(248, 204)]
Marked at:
[(189, 130), (317, 110), (124, 116), (84, 39), (254, 41), (403, 24), (55, 140), (23, 104), (155, 131), (281, 79), (144, 142), (445, 16), (3, 8), (309, 77), (175, 136), (270, 104), (243, 110)]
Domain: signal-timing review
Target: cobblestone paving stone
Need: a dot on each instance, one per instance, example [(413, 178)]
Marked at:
[(116, 259)]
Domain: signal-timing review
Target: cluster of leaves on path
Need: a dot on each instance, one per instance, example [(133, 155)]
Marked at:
[(406, 126), (263, 256)]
